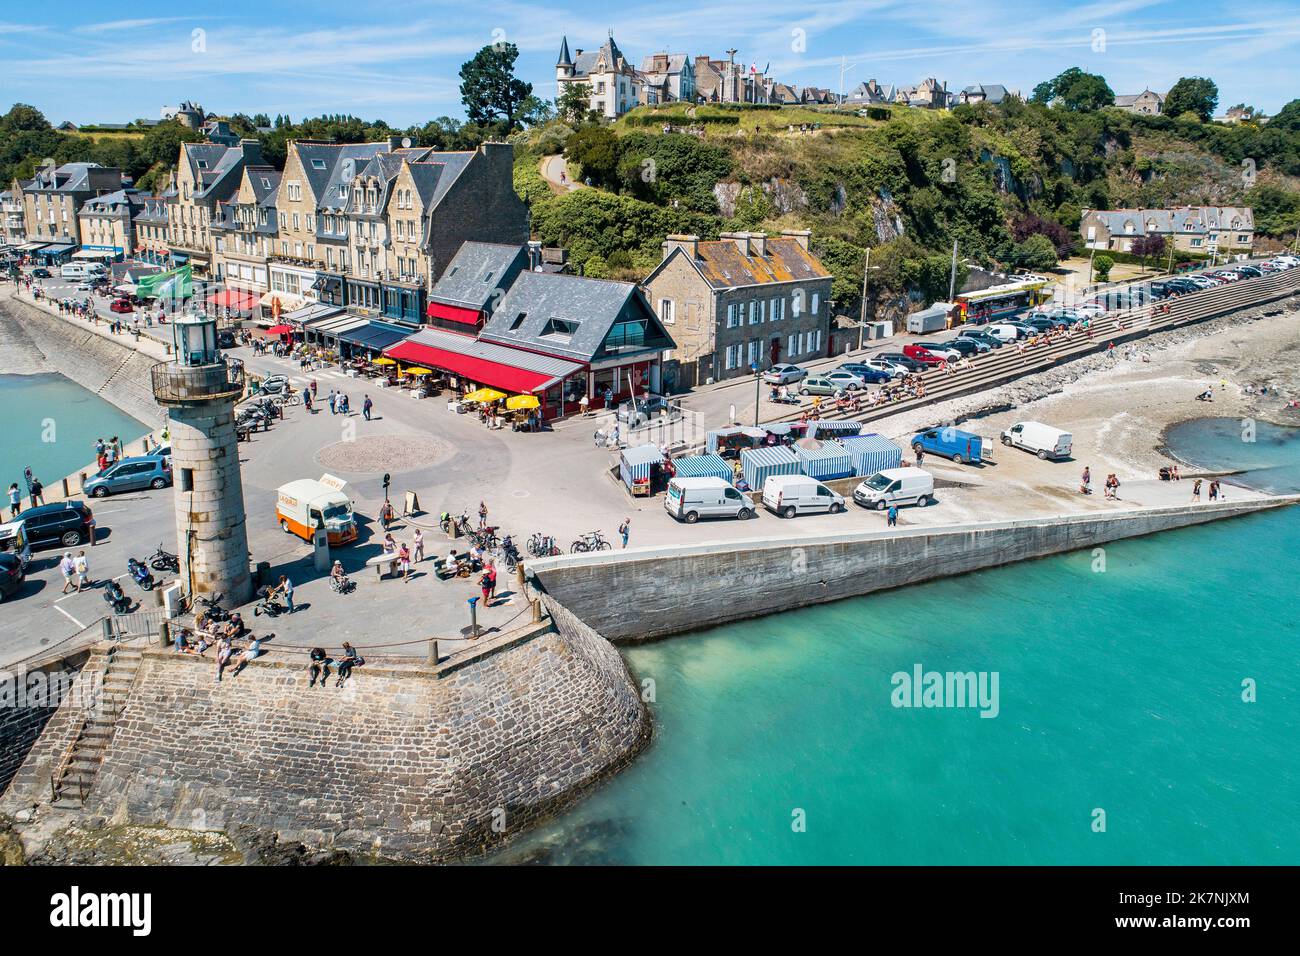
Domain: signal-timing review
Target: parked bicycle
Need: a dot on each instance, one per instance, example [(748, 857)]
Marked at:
[(162, 560), (446, 521), (542, 546), (486, 539), (591, 541)]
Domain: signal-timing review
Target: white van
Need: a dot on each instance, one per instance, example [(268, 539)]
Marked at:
[(790, 495), (304, 505), (78, 270), (1043, 440), (1003, 333), (690, 499), (895, 486)]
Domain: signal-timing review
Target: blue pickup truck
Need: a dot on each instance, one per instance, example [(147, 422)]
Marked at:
[(962, 447)]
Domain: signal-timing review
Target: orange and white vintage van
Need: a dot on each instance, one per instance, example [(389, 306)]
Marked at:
[(307, 504)]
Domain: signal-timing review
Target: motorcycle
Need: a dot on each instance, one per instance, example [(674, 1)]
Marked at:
[(140, 574), (162, 560), (115, 599)]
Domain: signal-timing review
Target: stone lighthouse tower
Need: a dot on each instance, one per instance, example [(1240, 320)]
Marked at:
[(199, 391)]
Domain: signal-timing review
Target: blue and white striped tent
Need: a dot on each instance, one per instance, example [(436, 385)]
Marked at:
[(872, 453), (635, 462), (824, 430), (758, 463), (832, 460), (703, 466), (755, 435)]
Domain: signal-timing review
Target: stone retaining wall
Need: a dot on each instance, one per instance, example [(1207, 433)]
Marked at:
[(25, 710), (649, 593), (112, 369), (399, 763)]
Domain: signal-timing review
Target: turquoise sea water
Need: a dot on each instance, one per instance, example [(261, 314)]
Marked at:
[(50, 425), (1119, 690)]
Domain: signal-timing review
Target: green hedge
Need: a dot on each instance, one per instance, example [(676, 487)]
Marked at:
[(658, 119)]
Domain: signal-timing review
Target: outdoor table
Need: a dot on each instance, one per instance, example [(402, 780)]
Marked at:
[(380, 560)]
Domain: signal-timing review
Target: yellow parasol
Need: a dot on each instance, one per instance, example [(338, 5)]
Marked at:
[(418, 371), (383, 360), (520, 402), (485, 395)]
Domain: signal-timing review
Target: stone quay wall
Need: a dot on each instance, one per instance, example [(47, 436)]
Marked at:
[(400, 763), (30, 694), (88, 356), (647, 593)]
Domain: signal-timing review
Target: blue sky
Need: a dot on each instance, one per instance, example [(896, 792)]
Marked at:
[(398, 61)]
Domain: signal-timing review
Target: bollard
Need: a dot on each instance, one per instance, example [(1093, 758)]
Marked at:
[(157, 597), (81, 476), (537, 610), (108, 628), (164, 634), (433, 653), (67, 493)]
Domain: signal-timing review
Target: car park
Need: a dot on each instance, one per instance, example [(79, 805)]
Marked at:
[(869, 375), (65, 523), (784, 374), (130, 474)]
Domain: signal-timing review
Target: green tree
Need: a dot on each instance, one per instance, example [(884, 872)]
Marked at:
[(1075, 91), (574, 103), (1287, 118), (1101, 267), (1036, 252), (596, 149), (1192, 94), (490, 90), (162, 144)]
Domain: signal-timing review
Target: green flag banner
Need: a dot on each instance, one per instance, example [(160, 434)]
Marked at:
[(176, 284)]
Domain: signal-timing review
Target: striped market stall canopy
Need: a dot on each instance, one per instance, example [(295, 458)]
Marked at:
[(823, 429), (832, 460), (703, 466), (752, 435), (635, 463), (872, 453), (757, 464)]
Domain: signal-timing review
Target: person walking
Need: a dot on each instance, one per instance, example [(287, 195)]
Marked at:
[(306, 398), (891, 516), (482, 515), (286, 588), (334, 402), (366, 406), (386, 514), (1214, 490), (1085, 483), (82, 566), (920, 457), (625, 530), (15, 500), (418, 546), (1196, 490), (68, 567), (37, 492), (492, 580), (485, 585), (404, 562)]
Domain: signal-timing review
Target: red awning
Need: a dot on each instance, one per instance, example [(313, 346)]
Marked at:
[(453, 313), (235, 299), (281, 330), (478, 370)]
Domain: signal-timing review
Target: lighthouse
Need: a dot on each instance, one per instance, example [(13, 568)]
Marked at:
[(199, 390)]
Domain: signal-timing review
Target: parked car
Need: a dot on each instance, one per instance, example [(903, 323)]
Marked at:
[(998, 332), (121, 304), (64, 523), (11, 575), (923, 355), (42, 274), (225, 339), (1043, 440), (895, 486), (690, 499), (888, 367), (130, 474), (905, 361), (961, 446), (848, 381), (867, 373), (645, 408), (818, 385), (784, 374), (790, 495), (964, 346), (1251, 271), (941, 349)]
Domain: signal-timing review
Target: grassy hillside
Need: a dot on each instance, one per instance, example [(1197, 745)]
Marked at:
[(1007, 183)]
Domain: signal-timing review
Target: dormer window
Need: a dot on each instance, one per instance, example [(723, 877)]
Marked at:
[(519, 320), (318, 164), (559, 328)]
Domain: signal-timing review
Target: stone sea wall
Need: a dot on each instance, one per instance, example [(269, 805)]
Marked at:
[(32, 340), (654, 592), (401, 763), (30, 694)]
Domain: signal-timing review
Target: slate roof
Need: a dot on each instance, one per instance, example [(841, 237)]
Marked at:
[(591, 305), (153, 210), (676, 63), (1184, 219), (724, 266), (110, 204), (476, 271), (326, 165), (586, 60), (68, 178), (992, 92)]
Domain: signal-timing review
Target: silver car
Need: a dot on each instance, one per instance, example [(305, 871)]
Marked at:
[(784, 374)]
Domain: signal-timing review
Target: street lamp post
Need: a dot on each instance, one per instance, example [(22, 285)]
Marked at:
[(758, 387), (862, 312)]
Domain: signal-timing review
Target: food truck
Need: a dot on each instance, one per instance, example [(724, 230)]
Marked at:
[(304, 505)]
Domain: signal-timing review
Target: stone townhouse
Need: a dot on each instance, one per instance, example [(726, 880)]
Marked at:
[(245, 230), (1205, 230), (991, 93), (745, 299), (1146, 103), (669, 78), (151, 225), (13, 226), (871, 93), (615, 85), (206, 174), (53, 198), (726, 81), (107, 224)]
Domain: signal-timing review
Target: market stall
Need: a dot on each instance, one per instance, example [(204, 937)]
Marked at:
[(636, 467), (757, 464), (825, 462), (823, 430), (703, 466), (872, 453)]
